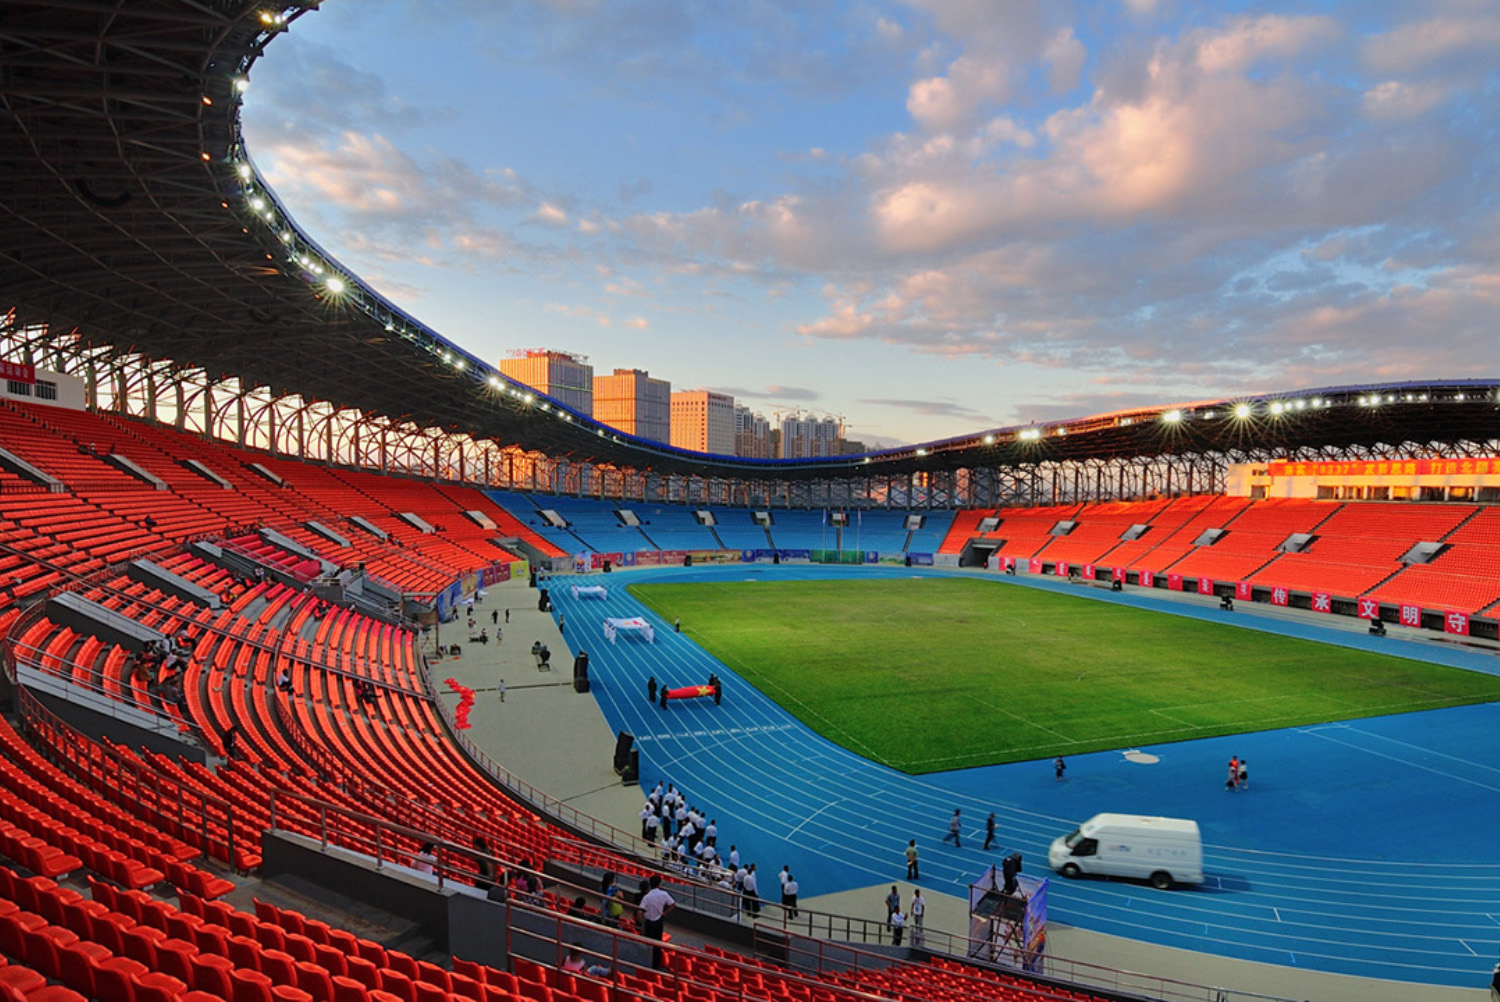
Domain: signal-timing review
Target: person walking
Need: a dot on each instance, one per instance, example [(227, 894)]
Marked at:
[(1234, 775), (507, 615), (911, 861), (989, 830), (955, 828), (1061, 767), (1244, 776), (502, 690), (677, 625), (651, 689), (495, 617), (892, 903)]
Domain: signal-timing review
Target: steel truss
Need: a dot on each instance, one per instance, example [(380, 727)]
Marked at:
[(194, 401)]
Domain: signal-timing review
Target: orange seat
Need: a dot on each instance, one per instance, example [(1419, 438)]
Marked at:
[(397, 984), (250, 986), (348, 990), (315, 981)]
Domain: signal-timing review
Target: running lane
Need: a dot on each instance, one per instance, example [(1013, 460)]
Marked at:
[(1360, 848)]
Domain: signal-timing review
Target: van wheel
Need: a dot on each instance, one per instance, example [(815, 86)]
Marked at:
[(1161, 880), (1071, 871)]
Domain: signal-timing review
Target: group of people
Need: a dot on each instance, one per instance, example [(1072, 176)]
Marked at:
[(689, 843), (160, 667), (898, 920), (1239, 775)]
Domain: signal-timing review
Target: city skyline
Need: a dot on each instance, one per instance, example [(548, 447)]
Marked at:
[(932, 217)]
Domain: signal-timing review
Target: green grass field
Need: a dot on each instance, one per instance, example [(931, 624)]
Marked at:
[(926, 674)]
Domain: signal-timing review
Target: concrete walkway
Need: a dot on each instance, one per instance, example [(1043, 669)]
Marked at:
[(543, 732)]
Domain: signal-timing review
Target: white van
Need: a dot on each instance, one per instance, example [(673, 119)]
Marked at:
[(1162, 850)]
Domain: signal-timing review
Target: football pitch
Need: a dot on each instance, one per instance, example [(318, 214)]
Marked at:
[(926, 674)]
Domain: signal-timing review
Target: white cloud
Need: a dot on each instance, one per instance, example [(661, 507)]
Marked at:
[(1421, 45), (1393, 99), (1066, 55)]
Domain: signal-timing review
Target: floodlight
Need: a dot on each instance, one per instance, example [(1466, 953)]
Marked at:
[(335, 285), (244, 171), (1277, 407), (1172, 416), (989, 440), (241, 84), (921, 452), (1242, 411), (1459, 397)]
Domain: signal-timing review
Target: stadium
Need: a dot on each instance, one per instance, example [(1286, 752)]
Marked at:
[(255, 754)]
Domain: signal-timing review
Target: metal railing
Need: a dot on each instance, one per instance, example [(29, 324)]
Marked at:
[(130, 784), (823, 942)]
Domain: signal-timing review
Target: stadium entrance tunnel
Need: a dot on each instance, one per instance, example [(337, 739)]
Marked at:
[(977, 553)]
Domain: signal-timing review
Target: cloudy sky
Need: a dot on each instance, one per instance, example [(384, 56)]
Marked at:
[(928, 216)]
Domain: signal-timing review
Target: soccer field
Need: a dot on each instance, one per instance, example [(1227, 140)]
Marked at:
[(927, 674)]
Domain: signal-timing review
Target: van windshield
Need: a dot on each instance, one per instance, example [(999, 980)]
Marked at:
[(1071, 839)]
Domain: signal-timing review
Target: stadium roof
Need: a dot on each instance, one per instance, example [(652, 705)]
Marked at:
[(131, 210)]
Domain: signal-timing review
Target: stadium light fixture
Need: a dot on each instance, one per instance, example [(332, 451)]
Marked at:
[(1459, 398), (1242, 411), (1030, 434), (1172, 416), (241, 84), (921, 452), (1277, 407), (335, 285), (1301, 405), (989, 440), (244, 171)]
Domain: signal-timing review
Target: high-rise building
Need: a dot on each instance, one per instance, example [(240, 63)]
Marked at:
[(563, 376), (753, 436), (806, 437), (703, 421), (633, 402)]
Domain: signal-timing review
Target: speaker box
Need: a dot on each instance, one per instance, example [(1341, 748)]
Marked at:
[(631, 774), (623, 747)]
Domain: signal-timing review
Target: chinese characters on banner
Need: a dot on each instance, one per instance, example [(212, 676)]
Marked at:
[(1205, 586), (1280, 596), (1322, 601), (1369, 608), (1384, 467), (1060, 569), (18, 372), (1088, 572), (1411, 615), (1147, 579), (1035, 566), (1118, 574), (1244, 590), (1174, 582), (1456, 622)]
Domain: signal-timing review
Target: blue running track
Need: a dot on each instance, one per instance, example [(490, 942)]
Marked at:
[(1365, 848)]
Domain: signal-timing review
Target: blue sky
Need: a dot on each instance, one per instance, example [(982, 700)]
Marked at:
[(929, 216)]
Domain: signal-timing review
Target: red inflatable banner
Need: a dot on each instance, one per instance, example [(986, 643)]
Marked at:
[(465, 703)]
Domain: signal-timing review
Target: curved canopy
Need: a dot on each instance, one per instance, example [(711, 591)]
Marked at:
[(131, 211)]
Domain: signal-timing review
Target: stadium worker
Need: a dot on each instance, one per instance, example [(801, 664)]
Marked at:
[(789, 895), (898, 926), (911, 861), (892, 903)]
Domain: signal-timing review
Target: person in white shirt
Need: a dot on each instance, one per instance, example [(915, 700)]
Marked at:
[(734, 858), (655, 904), (898, 926), (425, 859), (752, 891), (789, 894), (711, 833)]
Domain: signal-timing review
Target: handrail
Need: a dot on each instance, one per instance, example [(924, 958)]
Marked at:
[(124, 786), (384, 840)]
